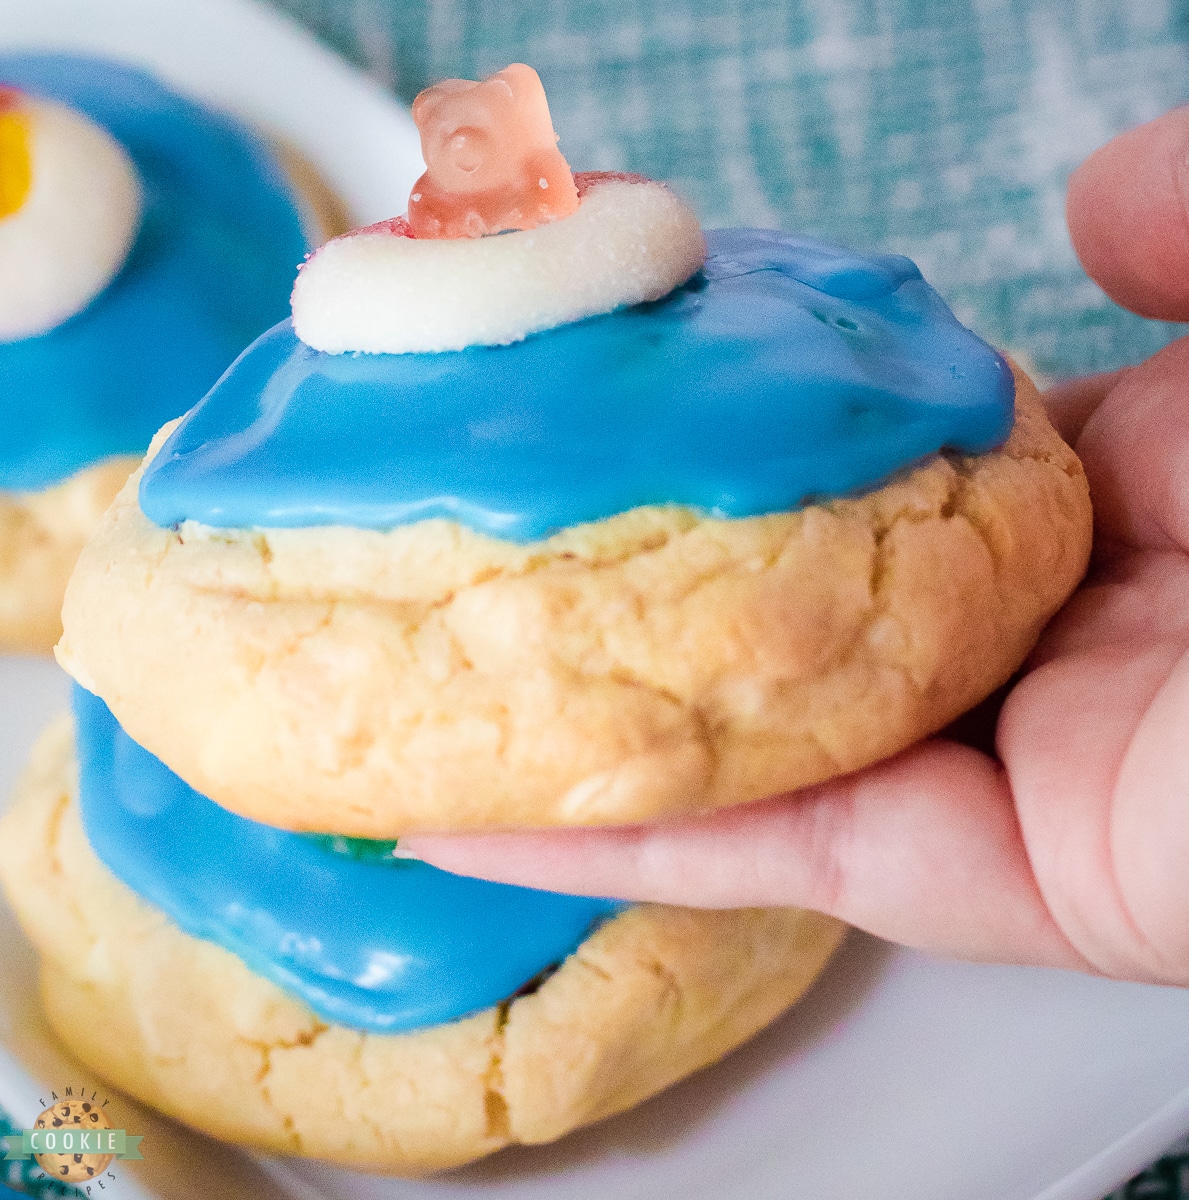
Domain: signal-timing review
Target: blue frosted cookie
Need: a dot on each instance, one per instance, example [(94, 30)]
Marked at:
[(144, 240), (317, 997), (776, 525)]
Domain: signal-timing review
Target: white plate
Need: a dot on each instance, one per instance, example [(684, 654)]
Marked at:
[(899, 1076), (248, 60)]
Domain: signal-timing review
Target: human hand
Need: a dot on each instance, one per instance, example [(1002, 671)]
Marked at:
[(1072, 849)]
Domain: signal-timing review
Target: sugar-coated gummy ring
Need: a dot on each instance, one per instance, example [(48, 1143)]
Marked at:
[(382, 292)]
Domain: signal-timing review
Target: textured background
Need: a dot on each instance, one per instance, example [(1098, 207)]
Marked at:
[(942, 129)]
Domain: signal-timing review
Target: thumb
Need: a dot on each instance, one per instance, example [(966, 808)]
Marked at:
[(1128, 214)]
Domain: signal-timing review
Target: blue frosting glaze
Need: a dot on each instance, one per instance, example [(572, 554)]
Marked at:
[(380, 946), (787, 370), (211, 268)]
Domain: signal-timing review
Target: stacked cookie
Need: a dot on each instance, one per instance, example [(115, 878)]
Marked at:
[(512, 544)]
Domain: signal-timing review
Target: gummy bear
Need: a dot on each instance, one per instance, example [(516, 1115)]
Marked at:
[(492, 158), (16, 159)]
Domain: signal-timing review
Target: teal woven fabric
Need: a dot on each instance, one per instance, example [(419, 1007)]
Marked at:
[(942, 130)]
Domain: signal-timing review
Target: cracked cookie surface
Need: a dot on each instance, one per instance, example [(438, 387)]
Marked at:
[(182, 1024), (653, 664)]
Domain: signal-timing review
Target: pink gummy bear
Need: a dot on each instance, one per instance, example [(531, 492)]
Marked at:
[(492, 158)]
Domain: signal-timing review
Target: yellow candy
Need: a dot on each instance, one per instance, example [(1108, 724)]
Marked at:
[(16, 158)]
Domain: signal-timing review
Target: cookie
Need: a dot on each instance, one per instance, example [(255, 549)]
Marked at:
[(653, 994), (541, 529), (656, 663), (143, 241), (41, 534)]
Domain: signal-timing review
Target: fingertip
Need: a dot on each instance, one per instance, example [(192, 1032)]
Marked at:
[(477, 855), (1128, 212)]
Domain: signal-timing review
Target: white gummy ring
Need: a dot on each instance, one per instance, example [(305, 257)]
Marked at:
[(71, 235), (381, 293)]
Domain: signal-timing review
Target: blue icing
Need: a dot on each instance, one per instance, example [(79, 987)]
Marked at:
[(212, 266), (787, 370), (382, 946)]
